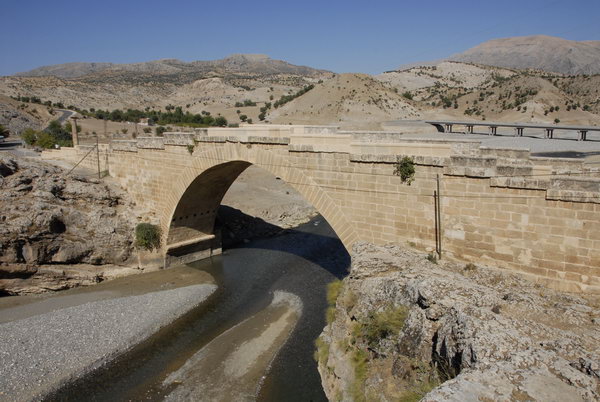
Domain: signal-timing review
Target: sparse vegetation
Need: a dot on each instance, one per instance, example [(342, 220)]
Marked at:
[(55, 134), (287, 98), (333, 291), (160, 130), (431, 257), (147, 236), (173, 115), (470, 267), (405, 168), (380, 325)]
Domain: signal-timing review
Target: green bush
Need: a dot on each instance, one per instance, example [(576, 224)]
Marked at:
[(147, 236), (160, 130), (45, 140), (405, 168), (29, 136)]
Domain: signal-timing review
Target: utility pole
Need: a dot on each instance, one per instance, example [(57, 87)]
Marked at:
[(98, 155), (439, 217)]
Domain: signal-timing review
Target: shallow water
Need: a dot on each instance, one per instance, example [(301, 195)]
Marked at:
[(300, 262)]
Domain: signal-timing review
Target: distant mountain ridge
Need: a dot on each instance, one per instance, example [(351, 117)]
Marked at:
[(538, 52), (236, 63)]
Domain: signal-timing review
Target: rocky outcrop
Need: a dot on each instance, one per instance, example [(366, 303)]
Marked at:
[(405, 327), (17, 120), (51, 219)]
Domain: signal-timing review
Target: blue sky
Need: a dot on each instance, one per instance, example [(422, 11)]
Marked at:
[(342, 36)]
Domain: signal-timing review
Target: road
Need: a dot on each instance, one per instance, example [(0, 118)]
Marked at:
[(65, 115)]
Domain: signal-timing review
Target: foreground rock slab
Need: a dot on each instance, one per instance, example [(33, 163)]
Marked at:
[(404, 327), (40, 353), (49, 217)]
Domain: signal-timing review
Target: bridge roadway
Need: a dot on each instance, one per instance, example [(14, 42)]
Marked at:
[(446, 126)]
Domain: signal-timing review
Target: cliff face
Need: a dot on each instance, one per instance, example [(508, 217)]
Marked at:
[(404, 328), (50, 221)]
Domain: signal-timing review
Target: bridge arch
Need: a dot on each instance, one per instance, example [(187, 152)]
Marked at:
[(189, 214)]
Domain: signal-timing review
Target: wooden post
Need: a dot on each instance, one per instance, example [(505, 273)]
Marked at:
[(74, 134)]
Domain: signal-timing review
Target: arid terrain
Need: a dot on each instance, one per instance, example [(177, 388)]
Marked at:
[(401, 325), (515, 79)]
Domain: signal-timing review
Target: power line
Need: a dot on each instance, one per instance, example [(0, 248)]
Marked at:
[(81, 160)]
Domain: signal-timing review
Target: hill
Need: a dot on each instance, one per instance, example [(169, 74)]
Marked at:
[(348, 100), (237, 63), (462, 91), (536, 52)]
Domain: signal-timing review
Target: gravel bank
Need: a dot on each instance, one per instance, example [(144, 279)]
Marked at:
[(40, 353)]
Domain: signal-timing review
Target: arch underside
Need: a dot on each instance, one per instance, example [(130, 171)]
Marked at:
[(191, 231)]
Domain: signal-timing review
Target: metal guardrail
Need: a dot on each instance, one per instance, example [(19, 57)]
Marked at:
[(446, 126)]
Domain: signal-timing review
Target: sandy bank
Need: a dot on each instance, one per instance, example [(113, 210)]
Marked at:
[(231, 367), (42, 352)]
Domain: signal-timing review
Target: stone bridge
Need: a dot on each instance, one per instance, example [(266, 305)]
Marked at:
[(537, 217)]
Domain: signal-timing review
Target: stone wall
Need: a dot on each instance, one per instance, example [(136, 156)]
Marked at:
[(535, 216)]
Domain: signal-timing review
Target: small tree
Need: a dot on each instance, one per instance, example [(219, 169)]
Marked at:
[(221, 121), (45, 140), (405, 168), (124, 130), (4, 131), (243, 117), (29, 136)]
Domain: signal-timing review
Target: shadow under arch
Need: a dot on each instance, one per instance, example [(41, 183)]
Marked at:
[(191, 233)]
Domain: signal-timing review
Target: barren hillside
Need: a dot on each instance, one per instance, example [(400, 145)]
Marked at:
[(353, 100), (237, 63), (255, 87), (537, 52)]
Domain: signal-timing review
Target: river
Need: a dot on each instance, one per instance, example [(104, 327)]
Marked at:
[(195, 356)]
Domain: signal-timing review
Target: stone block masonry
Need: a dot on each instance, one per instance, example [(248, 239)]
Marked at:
[(534, 216)]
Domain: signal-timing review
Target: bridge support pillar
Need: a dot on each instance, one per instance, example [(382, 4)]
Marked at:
[(492, 130), (519, 131), (469, 129), (549, 133), (582, 135), (448, 128)]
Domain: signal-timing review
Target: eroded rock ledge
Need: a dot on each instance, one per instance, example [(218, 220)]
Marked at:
[(59, 231), (405, 328)]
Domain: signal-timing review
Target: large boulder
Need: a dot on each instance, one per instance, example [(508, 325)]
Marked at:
[(48, 217)]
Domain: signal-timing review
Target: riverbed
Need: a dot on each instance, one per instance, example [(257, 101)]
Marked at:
[(252, 339)]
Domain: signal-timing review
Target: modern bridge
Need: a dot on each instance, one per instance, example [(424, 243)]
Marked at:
[(519, 128)]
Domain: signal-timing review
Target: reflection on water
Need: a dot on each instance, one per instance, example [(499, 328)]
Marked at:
[(300, 263)]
